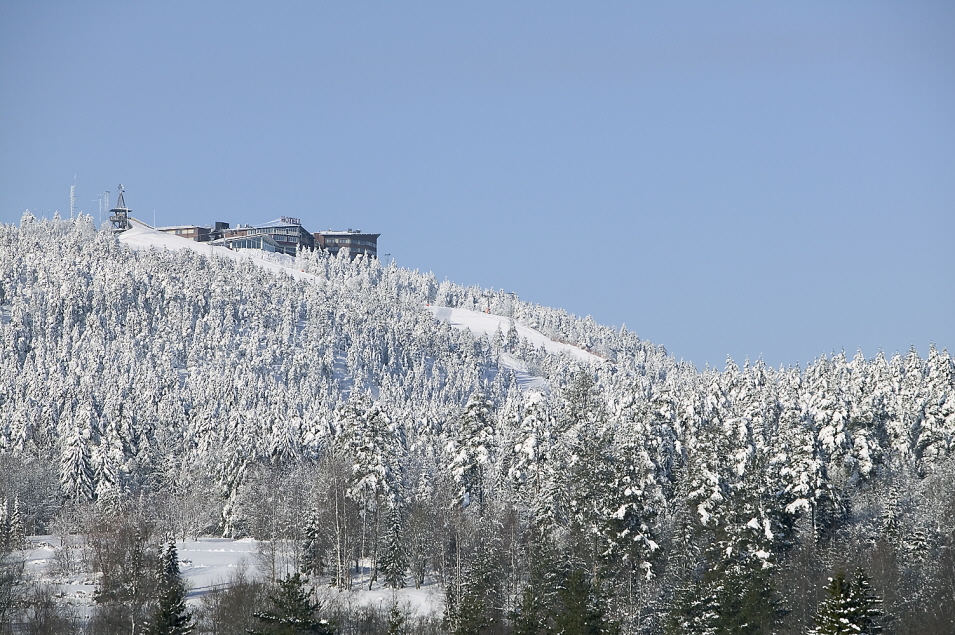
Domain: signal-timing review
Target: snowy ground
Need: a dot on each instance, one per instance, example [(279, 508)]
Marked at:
[(487, 324), (76, 588), (210, 562), (141, 236)]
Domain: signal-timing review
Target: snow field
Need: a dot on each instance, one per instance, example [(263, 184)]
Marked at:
[(208, 563)]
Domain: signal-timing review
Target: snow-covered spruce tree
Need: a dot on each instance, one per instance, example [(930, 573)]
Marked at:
[(580, 608), (171, 616), (560, 597), (633, 502), (851, 607), (314, 547), (76, 470), (937, 428), (12, 536), (291, 611), (535, 608), (475, 603), (469, 451), (367, 439), (392, 559), (732, 594), (530, 449), (738, 520), (584, 473)]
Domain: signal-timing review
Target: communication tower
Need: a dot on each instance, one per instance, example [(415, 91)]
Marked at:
[(73, 198)]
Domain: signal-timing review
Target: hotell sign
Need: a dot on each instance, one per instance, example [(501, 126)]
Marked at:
[(288, 220)]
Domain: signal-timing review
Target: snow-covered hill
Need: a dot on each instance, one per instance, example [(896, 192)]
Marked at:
[(364, 414), (481, 324)]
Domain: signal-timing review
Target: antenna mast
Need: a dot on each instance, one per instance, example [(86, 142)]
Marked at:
[(73, 197), (103, 206)]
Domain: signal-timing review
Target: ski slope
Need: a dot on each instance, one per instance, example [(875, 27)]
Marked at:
[(142, 236), (487, 324)]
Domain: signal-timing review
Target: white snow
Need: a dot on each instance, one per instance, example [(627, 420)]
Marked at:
[(525, 379), (210, 562), (481, 324), (428, 600), (488, 324), (142, 236)]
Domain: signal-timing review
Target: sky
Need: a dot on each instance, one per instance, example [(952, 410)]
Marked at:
[(742, 179)]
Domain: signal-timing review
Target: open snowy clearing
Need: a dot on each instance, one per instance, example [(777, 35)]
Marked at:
[(210, 562)]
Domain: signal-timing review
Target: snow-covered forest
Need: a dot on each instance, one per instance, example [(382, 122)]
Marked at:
[(324, 408)]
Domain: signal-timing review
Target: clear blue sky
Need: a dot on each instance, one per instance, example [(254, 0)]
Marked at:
[(725, 178)]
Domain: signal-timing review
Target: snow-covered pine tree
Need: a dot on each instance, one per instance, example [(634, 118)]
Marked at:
[(851, 607), (76, 470)]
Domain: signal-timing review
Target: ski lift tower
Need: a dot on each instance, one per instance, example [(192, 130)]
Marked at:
[(119, 215)]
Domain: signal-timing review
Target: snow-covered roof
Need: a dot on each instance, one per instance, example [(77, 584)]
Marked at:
[(329, 232), (278, 222)]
